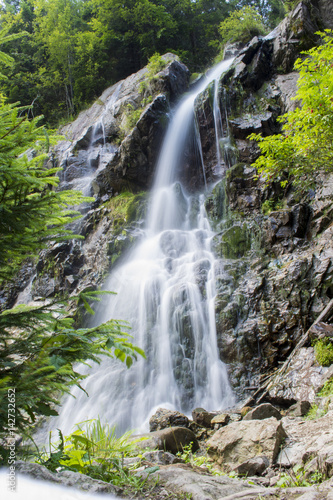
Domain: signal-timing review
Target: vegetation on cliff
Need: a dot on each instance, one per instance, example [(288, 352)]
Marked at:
[(304, 147)]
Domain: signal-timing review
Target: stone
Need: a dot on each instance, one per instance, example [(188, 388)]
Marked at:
[(65, 478), (220, 420), (161, 457), (164, 418), (295, 33), (241, 441), (202, 417), (307, 440), (300, 382), (173, 439), (299, 409), (253, 467), (183, 481), (263, 411)]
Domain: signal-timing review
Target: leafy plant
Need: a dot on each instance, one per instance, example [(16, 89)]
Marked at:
[(242, 25), (305, 145), (155, 65), (327, 389), (95, 450), (299, 476)]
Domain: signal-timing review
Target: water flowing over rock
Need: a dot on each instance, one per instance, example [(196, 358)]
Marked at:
[(166, 291)]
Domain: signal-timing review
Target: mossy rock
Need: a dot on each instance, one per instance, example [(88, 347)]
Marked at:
[(235, 242)]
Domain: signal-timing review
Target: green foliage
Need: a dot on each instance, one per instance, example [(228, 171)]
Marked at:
[(305, 145), (154, 66), (39, 347), (126, 207), (31, 214), (299, 476), (131, 117), (327, 389), (95, 450), (242, 25), (324, 352), (196, 460)]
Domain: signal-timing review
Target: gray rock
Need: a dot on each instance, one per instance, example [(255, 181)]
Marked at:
[(307, 440), (173, 439), (161, 457), (300, 409), (164, 418), (182, 480), (253, 467), (301, 381), (202, 417), (65, 478), (220, 420), (241, 441), (263, 411)]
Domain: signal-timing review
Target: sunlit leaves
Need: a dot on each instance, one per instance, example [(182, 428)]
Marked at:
[(305, 145)]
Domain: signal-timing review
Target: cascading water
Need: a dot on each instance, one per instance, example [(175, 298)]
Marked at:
[(166, 291)]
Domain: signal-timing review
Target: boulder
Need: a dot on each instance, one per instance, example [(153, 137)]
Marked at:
[(164, 418), (241, 441), (173, 439), (184, 482), (253, 467), (299, 409), (65, 478), (308, 440), (161, 457), (263, 411), (202, 417), (220, 420)]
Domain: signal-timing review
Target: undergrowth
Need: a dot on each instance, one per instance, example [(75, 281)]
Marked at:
[(95, 450)]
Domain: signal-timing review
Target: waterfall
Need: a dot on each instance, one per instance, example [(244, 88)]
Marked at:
[(166, 291)]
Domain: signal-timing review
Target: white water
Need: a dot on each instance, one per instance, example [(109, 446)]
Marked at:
[(166, 291)]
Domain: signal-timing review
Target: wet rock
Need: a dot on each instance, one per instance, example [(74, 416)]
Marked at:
[(244, 126), (241, 441), (262, 412), (172, 439), (253, 467), (164, 418)]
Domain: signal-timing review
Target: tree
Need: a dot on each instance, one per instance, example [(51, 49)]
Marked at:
[(305, 145), (242, 25), (40, 344)]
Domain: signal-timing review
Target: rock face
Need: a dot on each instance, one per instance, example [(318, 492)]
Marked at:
[(240, 441)]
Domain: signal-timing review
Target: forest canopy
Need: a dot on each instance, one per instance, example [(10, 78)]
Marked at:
[(73, 49)]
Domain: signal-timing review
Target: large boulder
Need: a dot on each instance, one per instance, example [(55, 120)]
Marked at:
[(164, 418), (240, 441), (173, 439)]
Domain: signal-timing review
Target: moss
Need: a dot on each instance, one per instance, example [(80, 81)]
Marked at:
[(235, 242), (324, 352)]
